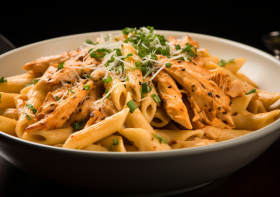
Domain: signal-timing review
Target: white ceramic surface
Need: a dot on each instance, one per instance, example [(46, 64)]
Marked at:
[(162, 172)]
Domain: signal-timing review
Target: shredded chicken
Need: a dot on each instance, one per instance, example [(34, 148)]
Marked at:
[(41, 65)]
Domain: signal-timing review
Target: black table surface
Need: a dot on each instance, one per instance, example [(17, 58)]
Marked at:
[(259, 178)]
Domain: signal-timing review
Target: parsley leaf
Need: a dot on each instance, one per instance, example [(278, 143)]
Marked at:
[(160, 139), (222, 62), (30, 106), (115, 142), (2, 80), (60, 66), (251, 91)]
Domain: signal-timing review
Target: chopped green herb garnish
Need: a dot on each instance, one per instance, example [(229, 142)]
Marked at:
[(118, 52), (0, 98), (156, 98), (106, 91), (108, 80), (231, 60), (160, 139), (132, 106), (30, 106), (86, 87), (177, 47), (86, 76), (222, 62), (28, 117), (88, 41), (154, 57), (28, 84), (69, 90), (56, 98), (95, 55), (128, 55), (127, 79), (189, 49), (146, 88), (138, 64), (76, 126), (36, 81), (251, 91), (168, 65), (60, 66), (115, 142), (2, 80), (127, 30)]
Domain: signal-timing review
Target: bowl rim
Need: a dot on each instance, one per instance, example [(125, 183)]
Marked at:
[(175, 152)]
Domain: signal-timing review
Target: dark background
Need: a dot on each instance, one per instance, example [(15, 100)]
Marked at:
[(244, 22)]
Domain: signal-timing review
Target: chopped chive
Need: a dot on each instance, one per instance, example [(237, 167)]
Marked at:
[(2, 80), (231, 60), (160, 139), (156, 98), (127, 30), (168, 65), (28, 84), (86, 76), (115, 142), (69, 90), (146, 88), (86, 87), (56, 98), (153, 56), (28, 117), (222, 62), (60, 66), (127, 79), (106, 91), (128, 55), (30, 106), (36, 81), (76, 126), (108, 80), (132, 106), (118, 52), (88, 41), (251, 91), (177, 47), (138, 64), (0, 98)]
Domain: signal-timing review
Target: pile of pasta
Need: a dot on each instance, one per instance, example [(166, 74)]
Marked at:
[(133, 92)]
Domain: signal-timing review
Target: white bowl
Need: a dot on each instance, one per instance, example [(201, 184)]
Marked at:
[(153, 173)]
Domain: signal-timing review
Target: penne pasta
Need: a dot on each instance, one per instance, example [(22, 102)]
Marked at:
[(113, 143), (8, 125), (148, 105), (179, 135), (7, 100), (97, 131), (249, 121), (49, 137), (16, 83), (144, 140), (161, 118)]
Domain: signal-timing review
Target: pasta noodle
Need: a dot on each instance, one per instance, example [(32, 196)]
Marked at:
[(134, 92)]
